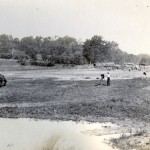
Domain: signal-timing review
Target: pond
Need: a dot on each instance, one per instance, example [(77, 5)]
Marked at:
[(29, 134)]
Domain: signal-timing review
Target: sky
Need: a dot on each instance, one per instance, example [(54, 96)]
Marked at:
[(127, 22)]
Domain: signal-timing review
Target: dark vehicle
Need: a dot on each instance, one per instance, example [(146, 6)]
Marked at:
[(3, 80)]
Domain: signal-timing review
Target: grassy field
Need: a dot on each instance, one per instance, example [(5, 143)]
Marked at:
[(50, 99), (73, 94), (51, 94)]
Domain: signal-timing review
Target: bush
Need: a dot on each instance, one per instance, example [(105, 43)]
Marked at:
[(41, 63), (6, 55), (22, 61), (50, 64), (34, 63)]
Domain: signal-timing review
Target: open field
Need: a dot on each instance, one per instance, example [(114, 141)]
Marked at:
[(73, 94)]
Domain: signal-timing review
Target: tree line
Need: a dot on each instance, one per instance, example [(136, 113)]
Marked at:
[(65, 50)]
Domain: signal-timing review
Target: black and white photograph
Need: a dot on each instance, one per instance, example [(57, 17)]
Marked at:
[(74, 74)]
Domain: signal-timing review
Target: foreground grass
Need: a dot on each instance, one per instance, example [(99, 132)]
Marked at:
[(75, 100)]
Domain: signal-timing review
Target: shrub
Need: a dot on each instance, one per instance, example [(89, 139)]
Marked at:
[(49, 64), (6, 55), (22, 60), (34, 63), (41, 63)]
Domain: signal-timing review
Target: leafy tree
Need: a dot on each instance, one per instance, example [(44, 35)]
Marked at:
[(144, 59), (16, 43), (67, 50), (95, 49), (28, 45), (88, 53), (6, 43)]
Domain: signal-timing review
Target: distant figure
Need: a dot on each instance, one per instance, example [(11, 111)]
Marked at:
[(94, 65), (129, 69), (144, 73), (108, 79), (102, 78), (3, 80)]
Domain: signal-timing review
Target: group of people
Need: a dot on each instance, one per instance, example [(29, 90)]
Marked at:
[(107, 80), (102, 80)]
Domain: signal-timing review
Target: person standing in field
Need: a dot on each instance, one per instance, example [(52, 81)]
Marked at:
[(144, 73), (108, 79), (102, 79)]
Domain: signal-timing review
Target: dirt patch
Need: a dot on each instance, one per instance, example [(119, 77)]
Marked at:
[(137, 141)]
